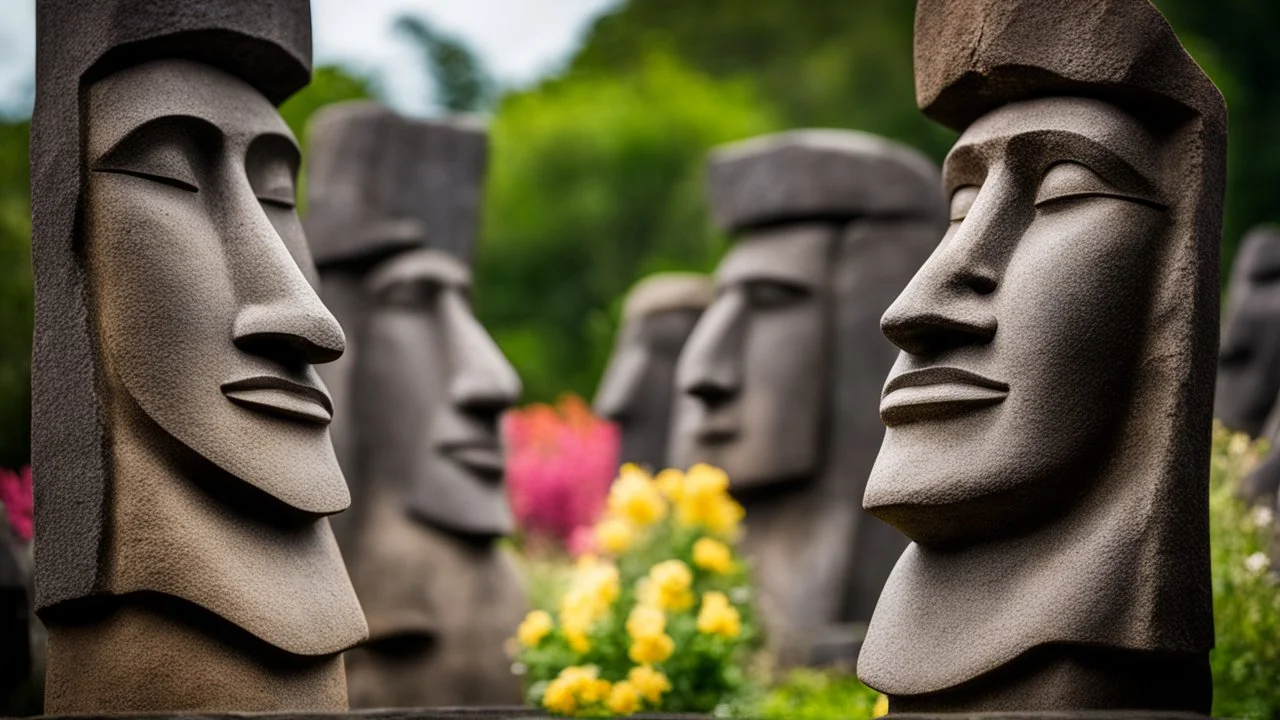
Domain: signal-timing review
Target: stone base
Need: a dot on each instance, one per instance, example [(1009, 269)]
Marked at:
[(526, 713)]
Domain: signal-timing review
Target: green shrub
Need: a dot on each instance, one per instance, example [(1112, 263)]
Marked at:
[(1246, 594)]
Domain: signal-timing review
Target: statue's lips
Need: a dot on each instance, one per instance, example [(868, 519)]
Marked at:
[(285, 398), (482, 459), (937, 393)]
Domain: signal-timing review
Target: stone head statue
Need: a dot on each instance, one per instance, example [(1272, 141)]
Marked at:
[(638, 387), (182, 461), (1249, 357), (1048, 419), (393, 211), (777, 382)]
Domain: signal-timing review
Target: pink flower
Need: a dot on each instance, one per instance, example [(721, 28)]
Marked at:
[(560, 462), (15, 495)]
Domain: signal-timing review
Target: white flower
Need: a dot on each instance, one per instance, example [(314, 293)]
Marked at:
[(1257, 562), (1262, 516)]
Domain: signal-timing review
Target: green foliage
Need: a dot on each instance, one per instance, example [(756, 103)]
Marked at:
[(329, 84), (462, 83), (811, 695), (595, 181), (821, 63), (16, 297), (1246, 591)]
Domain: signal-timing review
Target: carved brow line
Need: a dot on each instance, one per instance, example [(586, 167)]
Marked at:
[(764, 276), (295, 154), (1096, 156), (152, 125)]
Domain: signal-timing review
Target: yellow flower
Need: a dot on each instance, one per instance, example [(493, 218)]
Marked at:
[(651, 649), (718, 617), (577, 639), (650, 643), (670, 483), (882, 706), (535, 626), (593, 588), (575, 687), (712, 555), (634, 496), (646, 621), (651, 683), (594, 691), (615, 535), (559, 697), (704, 500), (624, 699), (667, 586)]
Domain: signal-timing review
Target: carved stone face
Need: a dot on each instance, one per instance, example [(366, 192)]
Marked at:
[(203, 282), (1249, 361), (638, 388), (752, 376), (1020, 334), (438, 384)]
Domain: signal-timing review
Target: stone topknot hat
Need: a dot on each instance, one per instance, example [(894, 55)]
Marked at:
[(379, 182)]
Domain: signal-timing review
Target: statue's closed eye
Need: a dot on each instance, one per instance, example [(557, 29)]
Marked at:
[(159, 161), (774, 294), (1070, 180), (962, 200)]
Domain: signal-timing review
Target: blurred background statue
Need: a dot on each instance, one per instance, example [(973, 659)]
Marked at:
[(394, 204), (780, 378), (181, 454), (1249, 358), (638, 388)]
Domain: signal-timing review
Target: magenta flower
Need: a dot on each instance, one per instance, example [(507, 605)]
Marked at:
[(15, 495), (560, 462)]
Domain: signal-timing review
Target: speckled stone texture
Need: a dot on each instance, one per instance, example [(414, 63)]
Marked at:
[(779, 379), (181, 455), (1049, 416), (637, 390), (394, 205), (1249, 356)]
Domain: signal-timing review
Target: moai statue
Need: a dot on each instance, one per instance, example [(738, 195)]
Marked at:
[(394, 206), (637, 391), (780, 378), (183, 467), (1249, 358), (1049, 416)]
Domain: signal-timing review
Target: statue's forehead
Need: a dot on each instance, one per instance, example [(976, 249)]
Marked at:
[(1098, 122), (795, 253), (126, 100)]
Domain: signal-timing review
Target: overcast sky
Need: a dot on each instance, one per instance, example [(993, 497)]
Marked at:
[(519, 39)]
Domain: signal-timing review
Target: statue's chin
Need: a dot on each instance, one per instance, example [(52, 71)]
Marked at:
[(291, 461)]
